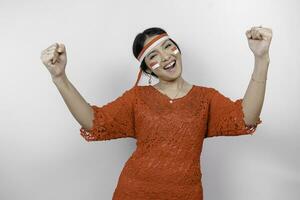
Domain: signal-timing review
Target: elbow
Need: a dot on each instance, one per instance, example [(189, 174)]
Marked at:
[(253, 121), (89, 122)]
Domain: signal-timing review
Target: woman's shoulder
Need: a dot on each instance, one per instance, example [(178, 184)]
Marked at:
[(205, 92), (205, 89)]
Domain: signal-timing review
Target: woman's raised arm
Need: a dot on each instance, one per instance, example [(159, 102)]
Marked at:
[(55, 59)]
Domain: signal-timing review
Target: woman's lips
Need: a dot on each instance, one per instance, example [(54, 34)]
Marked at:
[(173, 64), (172, 69)]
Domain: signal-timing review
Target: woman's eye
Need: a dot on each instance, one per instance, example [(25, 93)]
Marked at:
[(168, 45), (152, 56)]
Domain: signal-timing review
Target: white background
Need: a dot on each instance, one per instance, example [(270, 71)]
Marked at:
[(42, 154)]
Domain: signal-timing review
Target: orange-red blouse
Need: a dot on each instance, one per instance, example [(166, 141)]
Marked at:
[(166, 162)]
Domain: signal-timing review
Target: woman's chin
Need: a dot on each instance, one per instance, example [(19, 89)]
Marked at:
[(174, 73)]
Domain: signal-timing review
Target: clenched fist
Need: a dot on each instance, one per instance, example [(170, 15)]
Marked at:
[(259, 40), (55, 59)]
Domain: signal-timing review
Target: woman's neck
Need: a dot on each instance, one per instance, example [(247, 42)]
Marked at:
[(174, 85)]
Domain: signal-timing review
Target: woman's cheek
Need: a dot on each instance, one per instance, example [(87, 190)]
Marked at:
[(174, 50), (154, 65)]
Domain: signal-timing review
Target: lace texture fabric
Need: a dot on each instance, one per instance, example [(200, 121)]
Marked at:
[(226, 117), (166, 163), (112, 120)]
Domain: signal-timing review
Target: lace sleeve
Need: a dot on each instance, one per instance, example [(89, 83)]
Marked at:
[(226, 117), (113, 120)]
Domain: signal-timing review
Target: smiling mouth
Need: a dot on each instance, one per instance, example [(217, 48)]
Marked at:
[(170, 66)]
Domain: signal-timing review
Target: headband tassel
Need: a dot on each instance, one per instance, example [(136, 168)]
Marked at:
[(138, 78)]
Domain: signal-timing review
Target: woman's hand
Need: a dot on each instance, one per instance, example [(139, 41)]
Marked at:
[(259, 39), (55, 59)]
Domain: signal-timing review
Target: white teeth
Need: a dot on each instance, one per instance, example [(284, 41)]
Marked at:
[(169, 65)]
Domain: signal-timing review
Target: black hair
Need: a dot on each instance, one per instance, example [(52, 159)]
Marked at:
[(139, 41)]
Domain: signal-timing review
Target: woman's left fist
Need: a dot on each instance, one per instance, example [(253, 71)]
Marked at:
[(259, 40)]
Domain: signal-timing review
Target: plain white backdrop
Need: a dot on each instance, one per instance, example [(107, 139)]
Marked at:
[(43, 156)]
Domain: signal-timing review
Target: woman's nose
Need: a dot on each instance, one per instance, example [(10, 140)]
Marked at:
[(165, 56)]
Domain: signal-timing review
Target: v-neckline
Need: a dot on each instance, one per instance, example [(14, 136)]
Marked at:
[(176, 99)]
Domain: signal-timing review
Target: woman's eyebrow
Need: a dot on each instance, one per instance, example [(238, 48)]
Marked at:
[(164, 42)]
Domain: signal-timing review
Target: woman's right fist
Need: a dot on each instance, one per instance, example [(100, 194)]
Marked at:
[(55, 59)]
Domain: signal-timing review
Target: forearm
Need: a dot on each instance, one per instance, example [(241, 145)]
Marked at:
[(255, 93), (79, 108)]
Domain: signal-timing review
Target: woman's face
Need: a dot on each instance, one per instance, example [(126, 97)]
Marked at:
[(163, 54)]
